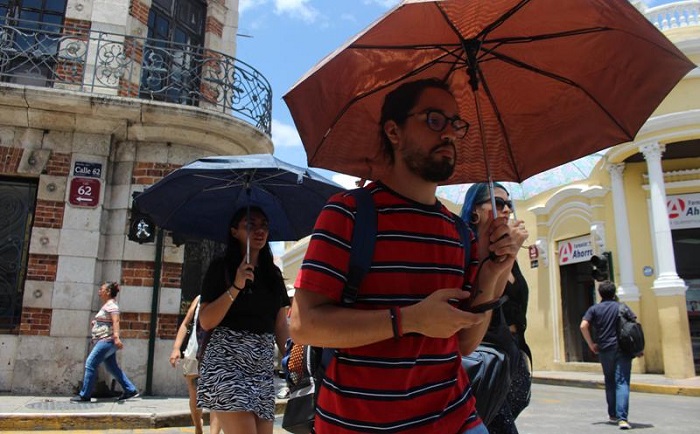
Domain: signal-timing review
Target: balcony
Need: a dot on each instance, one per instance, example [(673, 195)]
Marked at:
[(674, 15), (95, 62)]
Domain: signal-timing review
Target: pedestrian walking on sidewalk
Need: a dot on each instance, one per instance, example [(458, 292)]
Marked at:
[(617, 366), (190, 366), (105, 336)]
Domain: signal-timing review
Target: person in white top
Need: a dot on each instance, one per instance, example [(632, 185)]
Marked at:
[(190, 366), (105, 337)]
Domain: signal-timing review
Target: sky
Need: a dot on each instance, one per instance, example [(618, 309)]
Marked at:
[(284, 38), (287, 38)]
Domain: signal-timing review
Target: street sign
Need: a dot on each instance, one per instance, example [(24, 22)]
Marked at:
[(91, 170), (84, 192), (533, 252)]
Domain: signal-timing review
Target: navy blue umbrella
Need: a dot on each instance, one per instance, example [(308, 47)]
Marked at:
[(199, 199)]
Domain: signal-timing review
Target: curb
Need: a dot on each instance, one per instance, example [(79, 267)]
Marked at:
[(634, 387), (103, 421), (55, 421)]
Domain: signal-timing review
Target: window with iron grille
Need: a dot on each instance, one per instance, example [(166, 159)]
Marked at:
[(173, 56)]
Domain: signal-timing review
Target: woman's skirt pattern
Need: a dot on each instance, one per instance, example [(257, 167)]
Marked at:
[(237, 373)]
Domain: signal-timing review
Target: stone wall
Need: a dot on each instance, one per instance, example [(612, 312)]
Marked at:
[(74, 248)]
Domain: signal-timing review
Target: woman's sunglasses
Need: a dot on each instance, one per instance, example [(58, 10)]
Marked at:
[(500, 203)]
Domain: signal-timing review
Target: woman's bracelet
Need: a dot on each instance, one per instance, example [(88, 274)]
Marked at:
[(235, 287), (228, 291)]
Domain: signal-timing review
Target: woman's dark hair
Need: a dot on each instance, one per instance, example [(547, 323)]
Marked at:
[(477, 193), (113, 288), (607, 290), (235, 253), (398, 104)]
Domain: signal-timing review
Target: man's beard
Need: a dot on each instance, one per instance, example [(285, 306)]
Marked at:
[(431, 169)]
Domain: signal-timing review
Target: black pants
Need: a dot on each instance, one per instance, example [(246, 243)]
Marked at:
[(518, 398)]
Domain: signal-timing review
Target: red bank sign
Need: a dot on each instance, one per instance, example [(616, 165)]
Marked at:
[(575, 250), (683, 211)]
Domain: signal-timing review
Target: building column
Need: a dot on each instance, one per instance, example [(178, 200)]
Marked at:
[(667, 281), (627, 290), (668, 287)]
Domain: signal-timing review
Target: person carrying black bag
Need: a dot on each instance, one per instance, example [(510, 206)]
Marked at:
[(506, 332)]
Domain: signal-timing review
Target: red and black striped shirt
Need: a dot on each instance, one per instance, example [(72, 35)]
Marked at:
[(415, 384)]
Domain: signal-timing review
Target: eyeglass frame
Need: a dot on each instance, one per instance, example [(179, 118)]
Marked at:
[(445, 120), (500, 203)]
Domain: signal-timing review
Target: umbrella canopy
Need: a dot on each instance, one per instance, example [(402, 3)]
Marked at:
[(567, 173), (542, 82), (199, 199)]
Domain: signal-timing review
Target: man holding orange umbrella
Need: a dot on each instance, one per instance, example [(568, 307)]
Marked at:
[(397, 367)]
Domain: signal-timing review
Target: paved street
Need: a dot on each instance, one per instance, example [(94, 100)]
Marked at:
[(558, 409), (555, 410)]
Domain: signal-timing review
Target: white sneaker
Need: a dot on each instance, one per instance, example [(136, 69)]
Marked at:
[(283, 392), (623, 424)]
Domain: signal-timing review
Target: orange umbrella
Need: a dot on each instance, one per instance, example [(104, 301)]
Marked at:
[(542, 82)]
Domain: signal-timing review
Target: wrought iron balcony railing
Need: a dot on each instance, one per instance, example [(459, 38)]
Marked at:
[(85, 60)]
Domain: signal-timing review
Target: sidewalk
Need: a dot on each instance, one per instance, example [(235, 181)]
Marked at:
[(646, 383), (52, 412)]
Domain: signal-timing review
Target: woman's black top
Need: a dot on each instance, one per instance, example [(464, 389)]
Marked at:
[(513, 312), (515, 309), (253, 311)]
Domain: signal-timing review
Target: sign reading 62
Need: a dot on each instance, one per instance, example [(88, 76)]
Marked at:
[(84, 192)]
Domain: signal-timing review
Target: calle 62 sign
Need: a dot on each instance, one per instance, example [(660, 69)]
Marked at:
[(84, 192)]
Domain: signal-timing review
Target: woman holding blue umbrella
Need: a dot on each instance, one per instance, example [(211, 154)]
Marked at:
[(242, 305)]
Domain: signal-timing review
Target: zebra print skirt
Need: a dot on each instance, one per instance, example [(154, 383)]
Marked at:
[(237, 373)]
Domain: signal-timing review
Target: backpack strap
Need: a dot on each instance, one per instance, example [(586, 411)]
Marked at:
[(465, 233), (364, 235)]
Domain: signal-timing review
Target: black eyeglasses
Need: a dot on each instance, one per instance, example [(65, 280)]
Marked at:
[(500, 203), (437, 121)]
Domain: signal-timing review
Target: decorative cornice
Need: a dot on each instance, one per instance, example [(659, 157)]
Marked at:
[(652, 150), (686, 172), (616, 170), (571, 191), (693, 174), (663, 129)]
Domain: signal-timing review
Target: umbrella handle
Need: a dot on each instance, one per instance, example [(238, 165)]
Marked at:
[(492, 189)]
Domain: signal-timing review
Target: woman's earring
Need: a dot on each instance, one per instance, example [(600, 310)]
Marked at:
[(474, 218)]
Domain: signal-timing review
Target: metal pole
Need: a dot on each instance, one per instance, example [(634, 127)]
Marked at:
[(153, 327)]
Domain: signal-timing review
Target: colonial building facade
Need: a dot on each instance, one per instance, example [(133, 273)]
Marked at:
[(98, 100), (640, 204)]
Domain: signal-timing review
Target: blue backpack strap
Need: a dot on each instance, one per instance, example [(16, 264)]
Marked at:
[(465, 233), (362, 244)]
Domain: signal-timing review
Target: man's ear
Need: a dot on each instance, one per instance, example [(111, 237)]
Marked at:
[(391, 129)]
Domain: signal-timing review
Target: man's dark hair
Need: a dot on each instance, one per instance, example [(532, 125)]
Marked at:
[(607, 289), (398, 104)]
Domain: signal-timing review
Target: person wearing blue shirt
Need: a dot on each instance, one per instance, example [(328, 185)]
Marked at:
[(617, 366)]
